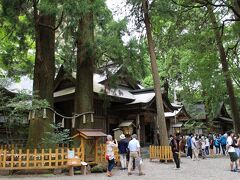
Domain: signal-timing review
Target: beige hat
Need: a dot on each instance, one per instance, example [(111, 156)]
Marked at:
[(122, 136)]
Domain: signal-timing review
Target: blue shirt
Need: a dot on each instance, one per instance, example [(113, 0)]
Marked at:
[(189, 142), (223, 140)]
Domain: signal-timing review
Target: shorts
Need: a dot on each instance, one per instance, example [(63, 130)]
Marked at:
[(233, 156), (238, 152), (211, 146)]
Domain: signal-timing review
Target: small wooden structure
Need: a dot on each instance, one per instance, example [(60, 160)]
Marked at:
[(89, 139), (127, 127)]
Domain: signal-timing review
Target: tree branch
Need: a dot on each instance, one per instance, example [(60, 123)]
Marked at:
[(60, 22)]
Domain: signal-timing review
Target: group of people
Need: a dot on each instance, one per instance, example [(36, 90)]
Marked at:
[(129, 151), (226, 144)]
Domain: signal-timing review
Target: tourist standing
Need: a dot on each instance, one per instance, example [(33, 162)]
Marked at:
[(203, 145), (231, 151), (207, 146), (122, 147), (194, 146), (211, 140), (182, 144), (134, 148), (238, 150), (223, 142), (217, 144), (110, 154), (189, 146), (175, 150)]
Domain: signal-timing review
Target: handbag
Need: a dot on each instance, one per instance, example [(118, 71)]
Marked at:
[(138, 161), (107, 157)]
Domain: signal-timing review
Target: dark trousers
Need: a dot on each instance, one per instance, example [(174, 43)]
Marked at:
[(111, 164), (218, 150), (189, 151), (207, 150), (176, 159), (223, 148)]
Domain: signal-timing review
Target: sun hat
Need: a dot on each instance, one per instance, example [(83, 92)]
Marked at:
[(122, 136)]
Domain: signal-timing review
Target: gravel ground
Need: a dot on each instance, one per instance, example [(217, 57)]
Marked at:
[(210, 169)]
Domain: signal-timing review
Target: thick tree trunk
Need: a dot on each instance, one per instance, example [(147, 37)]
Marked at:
[(161, 123), (44, 71), (85, 65), (225, 69)]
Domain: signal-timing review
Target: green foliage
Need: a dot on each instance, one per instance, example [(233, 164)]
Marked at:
[(15, 108), (191, 125), (59, 136)]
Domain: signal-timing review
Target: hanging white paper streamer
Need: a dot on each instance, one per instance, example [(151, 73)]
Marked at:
[(29, 115), (44, 113), (92, 120), (54, 118), (62, 123), (33, 115), (73, 121), (84, 119)]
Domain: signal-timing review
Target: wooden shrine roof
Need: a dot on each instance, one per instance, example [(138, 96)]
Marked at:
[(90, 133)]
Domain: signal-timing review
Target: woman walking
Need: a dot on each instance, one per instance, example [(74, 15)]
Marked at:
[(110, 154)]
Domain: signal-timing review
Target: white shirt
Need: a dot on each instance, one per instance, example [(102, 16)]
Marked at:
[(203, 144), (193, 143), (207, 142), (110, 145), (133, 145), (229, 143)]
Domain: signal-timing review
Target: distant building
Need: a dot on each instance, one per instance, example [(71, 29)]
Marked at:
[(222, 121), (127, 102)]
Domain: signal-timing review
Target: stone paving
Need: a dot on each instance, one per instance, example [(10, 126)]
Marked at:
[(209, 169)]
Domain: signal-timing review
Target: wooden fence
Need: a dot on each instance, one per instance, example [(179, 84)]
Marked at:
[(36, 159), (162, 153)]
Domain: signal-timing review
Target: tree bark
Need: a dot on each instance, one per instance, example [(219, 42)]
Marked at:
[(85, 66), (225, 70), (161, 123), (44, 72)]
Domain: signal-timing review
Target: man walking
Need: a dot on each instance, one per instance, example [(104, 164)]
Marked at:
[(175, 150), (231, 151), (134, 148)]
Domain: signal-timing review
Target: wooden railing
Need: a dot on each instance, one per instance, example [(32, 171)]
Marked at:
[(162, 153), (101, 154), (36, 159)]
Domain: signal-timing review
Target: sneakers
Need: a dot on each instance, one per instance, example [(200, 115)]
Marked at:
[(129, 173), (141, 174)]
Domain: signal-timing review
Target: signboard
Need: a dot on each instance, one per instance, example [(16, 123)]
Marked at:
[(71, 154)]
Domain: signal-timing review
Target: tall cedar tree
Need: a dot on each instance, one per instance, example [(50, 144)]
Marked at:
[(44, 71), (85, 66), (225, 69), (161, 122)]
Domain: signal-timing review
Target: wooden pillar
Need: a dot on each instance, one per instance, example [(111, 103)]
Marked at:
[(138, 126), (96, 150)]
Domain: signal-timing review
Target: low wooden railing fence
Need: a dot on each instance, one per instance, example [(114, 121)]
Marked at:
[(162, 153), (36, 159)]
